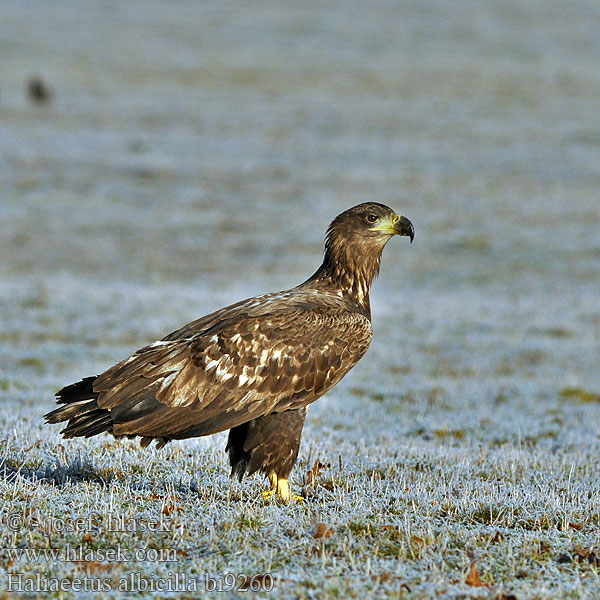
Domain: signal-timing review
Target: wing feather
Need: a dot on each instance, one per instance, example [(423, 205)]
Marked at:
[(215, 374)]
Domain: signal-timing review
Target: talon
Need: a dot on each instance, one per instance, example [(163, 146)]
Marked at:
[(280, 487), (273, 481)]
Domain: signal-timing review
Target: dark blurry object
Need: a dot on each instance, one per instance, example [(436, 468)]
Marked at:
[(38, 90)]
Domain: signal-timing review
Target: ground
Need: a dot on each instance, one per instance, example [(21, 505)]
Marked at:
[(194, 157)]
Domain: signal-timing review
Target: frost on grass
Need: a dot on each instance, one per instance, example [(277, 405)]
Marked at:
[(390, 511), (460, 458)]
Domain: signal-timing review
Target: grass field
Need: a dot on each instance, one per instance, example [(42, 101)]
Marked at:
[(443, 468), (193, 155)]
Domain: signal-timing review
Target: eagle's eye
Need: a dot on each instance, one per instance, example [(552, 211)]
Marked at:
[(372, 218)]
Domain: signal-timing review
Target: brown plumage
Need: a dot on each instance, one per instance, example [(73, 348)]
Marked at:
[(252, 367)]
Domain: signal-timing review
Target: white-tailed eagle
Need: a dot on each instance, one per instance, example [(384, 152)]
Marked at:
[(252, 367)]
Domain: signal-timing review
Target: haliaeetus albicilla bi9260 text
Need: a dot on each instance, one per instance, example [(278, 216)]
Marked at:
[(252, 367)]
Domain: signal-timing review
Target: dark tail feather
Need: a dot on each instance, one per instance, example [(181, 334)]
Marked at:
[(81, 410), (239, 459), (82, 390)]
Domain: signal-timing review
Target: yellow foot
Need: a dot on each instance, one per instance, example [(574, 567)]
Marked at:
[(281, 488), (268, 494)]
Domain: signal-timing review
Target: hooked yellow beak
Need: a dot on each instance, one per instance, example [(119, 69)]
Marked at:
[(397, 225)]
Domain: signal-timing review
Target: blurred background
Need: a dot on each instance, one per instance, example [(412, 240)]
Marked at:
[(160, 160)]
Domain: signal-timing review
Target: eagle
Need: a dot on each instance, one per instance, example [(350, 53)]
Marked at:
[(252, 367)]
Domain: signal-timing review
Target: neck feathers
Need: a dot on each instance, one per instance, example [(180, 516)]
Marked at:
[(349, 267)]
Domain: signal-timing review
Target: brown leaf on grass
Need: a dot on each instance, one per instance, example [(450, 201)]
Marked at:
[(169, 506), (473, 578), (544, 547), (315, 472), (580, 552), (498, 537), (576, 526), (323, 531), (383, 577)]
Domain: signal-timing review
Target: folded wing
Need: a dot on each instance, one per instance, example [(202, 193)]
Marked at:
[(219, 373)]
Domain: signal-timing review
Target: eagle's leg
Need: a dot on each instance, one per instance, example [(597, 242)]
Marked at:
[(273, 490), (269, 444), (273, 482), (281, 488)]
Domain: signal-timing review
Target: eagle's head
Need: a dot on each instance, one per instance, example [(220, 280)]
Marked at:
[(353, 245), (369, 224)]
